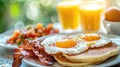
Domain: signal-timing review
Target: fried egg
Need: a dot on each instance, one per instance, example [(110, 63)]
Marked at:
[(74, 43), (51, 47), (95, 40)]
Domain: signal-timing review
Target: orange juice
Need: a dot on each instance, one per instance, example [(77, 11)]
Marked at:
[(91, 17), (68, 15)]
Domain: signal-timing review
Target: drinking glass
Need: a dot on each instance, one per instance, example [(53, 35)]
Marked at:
[(68, 14), (91, 12)]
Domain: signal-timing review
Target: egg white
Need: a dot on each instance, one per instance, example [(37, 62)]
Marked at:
[(52, 49), (101, 42), (96, 43)]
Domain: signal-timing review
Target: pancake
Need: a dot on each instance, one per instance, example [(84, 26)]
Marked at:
[(95, 55), (65, 62)]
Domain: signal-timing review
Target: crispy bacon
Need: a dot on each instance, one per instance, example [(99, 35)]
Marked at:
[(17, 58), (32, 49)]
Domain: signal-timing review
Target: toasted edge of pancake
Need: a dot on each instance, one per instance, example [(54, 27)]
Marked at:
[(95, 55), (65, 62)]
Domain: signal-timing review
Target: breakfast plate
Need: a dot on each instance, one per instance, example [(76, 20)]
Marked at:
[(109, 62), (5, 36)]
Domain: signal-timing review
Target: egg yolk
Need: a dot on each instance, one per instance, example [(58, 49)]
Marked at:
[(66, 43), (90, 37)]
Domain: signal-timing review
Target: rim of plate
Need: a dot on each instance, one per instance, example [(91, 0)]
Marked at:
[(4, 36)]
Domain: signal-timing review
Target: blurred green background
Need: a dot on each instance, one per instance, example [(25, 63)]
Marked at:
[(14, 12)]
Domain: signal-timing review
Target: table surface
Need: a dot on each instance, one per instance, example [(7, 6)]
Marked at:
[(7, 58)]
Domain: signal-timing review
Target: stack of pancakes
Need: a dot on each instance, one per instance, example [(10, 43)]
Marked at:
[(89, 57)]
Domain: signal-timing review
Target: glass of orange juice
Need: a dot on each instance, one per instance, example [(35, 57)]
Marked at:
[(91, 12), (68, 14)]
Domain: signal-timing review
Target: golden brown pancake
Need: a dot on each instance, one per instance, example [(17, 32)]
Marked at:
[(95, 55), (65, 62)]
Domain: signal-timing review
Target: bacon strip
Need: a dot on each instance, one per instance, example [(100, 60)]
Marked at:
[(17, 58), (32, 49)]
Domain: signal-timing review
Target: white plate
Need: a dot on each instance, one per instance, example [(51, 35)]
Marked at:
[(111, 61), (4, 37)]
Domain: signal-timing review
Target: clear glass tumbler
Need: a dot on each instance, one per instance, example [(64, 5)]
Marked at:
[(68, 14), (91, 12)]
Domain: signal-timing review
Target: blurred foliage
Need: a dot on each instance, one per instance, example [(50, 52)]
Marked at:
[(3, 17), (48, 11), (27, 12)]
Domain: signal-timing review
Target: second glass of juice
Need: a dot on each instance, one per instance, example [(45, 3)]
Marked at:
[(91, 12), (68, 14)]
